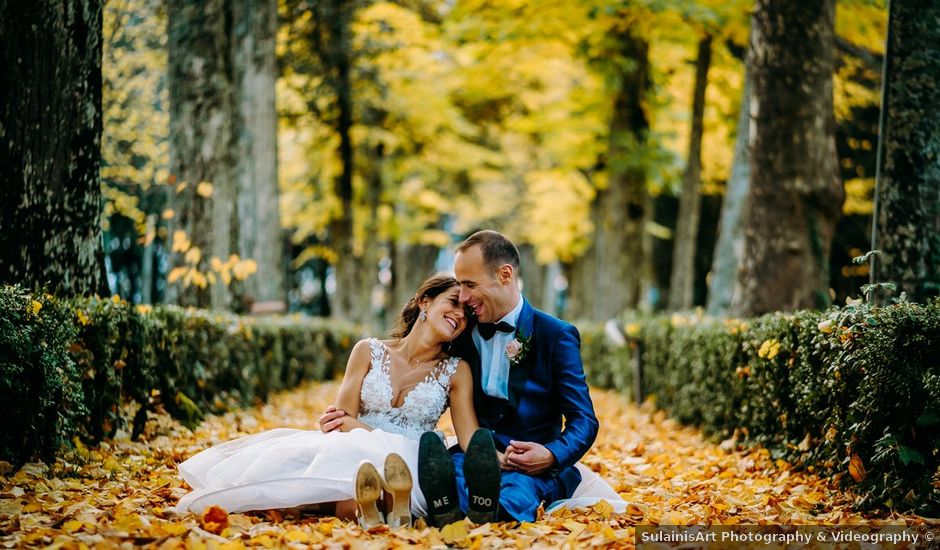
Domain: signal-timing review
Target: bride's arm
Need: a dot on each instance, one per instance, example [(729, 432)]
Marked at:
[(462, 413), (342, 414)]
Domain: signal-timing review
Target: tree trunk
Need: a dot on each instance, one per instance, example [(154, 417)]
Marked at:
[(411, 264), (533, 277), (730, 246), (908, 200), (368, 259), (682, 283), (202, 116), (608, 277), (336, 17), (260, 236), (795, 196), (50, 139)]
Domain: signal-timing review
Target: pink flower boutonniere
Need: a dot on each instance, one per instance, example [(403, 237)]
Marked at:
[(517, 349)]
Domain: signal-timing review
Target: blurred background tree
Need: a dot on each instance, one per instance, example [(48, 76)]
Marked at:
[(326, 156), (50, 135)]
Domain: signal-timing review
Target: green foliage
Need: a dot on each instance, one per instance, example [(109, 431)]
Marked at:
[(67, 367), (818, 389), (39, 381)]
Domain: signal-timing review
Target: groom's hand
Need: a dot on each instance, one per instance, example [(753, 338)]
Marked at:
[(529, 457), (331, 419)]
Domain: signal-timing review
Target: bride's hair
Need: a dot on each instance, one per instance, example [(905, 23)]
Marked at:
[(431, 288)]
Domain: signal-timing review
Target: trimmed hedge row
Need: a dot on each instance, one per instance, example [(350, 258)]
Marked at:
[(850, 392), (67, 366)]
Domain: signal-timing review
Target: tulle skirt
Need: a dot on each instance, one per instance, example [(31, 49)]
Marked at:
[(287, 468)]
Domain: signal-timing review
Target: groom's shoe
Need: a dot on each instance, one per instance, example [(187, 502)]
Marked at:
[(482, 473), (437, 481)]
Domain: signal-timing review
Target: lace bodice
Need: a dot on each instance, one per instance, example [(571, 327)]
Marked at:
[(423, 405)]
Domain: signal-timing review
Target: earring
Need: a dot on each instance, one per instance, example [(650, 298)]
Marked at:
[(423, 316)]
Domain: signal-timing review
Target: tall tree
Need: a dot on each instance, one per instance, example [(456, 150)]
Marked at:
[(730, 245), (795, 196), (260, 236), (50, 139), (682, 282), (908, 199), (332, 41), (608, 277), (202, 108), (223, 152)]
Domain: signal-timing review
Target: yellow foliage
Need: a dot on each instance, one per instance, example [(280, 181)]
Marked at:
[(180, 241), (768, 349), (134, 146), (82, 317), (557, 214), (204, 189), (193, 255), (859, 194), (244, 269), (176, 273)]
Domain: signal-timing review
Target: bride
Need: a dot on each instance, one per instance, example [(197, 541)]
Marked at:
[(392, 392)]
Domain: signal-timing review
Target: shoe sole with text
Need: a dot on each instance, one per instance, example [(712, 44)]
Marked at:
[(437, 481), (481, 470)]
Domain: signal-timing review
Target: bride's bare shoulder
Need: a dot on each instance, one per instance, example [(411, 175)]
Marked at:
[(361, 354)]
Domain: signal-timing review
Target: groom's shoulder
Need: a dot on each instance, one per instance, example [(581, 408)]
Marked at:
[(550, 323)]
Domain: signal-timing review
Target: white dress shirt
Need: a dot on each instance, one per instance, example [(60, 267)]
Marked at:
[(494, 365)]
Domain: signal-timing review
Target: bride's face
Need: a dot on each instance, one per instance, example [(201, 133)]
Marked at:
[(446, 315)]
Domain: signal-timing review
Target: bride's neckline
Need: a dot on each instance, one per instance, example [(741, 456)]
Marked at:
[(403, 392)]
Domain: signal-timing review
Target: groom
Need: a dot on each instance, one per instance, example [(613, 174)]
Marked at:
[(529, 393)]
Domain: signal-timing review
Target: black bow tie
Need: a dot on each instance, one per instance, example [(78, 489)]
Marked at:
[(487, 330)]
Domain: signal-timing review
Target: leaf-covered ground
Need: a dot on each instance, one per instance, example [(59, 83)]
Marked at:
[(119, 494)]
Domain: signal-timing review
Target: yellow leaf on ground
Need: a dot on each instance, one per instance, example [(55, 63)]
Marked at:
[(603, 508), (72, 525), (454, 532), (857, 469), (214, 519), (296, 535)]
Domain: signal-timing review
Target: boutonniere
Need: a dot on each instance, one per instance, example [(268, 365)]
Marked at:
[(517, 349)]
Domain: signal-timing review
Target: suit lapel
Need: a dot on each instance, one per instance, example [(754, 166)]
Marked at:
[(518, 374)]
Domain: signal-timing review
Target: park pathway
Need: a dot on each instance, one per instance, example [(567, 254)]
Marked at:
[(120, 494)]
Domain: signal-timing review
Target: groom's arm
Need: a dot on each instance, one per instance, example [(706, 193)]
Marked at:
[(572, 392)]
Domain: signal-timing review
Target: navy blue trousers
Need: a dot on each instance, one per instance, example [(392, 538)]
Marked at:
[(519, 494)]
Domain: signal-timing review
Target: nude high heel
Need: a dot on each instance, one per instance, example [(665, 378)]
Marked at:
[(368, 492), (398, 484)]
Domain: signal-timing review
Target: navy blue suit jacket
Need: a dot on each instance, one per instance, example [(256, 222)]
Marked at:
[(546, 386)]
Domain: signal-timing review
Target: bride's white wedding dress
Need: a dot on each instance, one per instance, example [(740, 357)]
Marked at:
[(285, 468)]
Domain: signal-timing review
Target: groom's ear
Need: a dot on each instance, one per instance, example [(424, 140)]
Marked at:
[(504, 274)]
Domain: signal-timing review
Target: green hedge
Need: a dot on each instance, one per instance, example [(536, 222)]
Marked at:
[(68, 366), (851, 392)]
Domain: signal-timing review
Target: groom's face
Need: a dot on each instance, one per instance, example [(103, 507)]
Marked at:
[(488, 293)]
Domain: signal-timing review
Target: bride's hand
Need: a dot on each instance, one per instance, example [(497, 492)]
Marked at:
[(331, 419), (503, 464)]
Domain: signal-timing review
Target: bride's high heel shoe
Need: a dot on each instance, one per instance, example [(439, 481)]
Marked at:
[(398, 484), (368, 492)]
